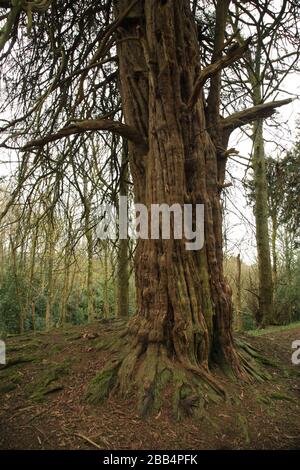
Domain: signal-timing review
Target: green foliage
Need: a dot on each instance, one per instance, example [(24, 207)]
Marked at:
[(274, 329), (76, 308), (9, 307), (248, 320), (287, 295)]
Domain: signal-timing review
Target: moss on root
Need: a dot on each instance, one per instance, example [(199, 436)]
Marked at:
[(32, 345), (15, 361), (6, 388), (48, 382), (102, 384), (253, 362), (281, 396), (156, 380), (108, 343)]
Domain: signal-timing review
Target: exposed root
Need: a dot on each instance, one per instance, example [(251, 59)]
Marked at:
[(252, 361), (148, 372), (102, 384), (156, 379)]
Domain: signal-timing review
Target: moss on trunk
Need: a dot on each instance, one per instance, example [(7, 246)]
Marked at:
[(183, 322)]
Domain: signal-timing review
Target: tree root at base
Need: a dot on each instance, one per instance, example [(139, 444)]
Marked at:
[(148, 373)]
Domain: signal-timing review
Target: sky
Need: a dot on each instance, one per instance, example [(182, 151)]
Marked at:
[(240, 222)]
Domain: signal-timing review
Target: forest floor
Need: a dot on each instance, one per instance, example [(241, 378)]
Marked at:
[(42, 402)]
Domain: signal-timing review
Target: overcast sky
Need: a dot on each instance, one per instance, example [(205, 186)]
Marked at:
[(241, 234)]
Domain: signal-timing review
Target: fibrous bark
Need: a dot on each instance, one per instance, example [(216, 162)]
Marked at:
[(184, 310), (177, 155)]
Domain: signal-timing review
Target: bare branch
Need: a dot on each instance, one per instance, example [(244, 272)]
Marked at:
[(246, 116), (80, 127), (212, 69)]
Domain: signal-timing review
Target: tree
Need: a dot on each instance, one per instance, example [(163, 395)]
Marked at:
[(123, 251), (283, 198), (177, 152), (275, 27)]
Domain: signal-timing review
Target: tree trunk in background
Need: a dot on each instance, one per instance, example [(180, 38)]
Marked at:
[(274, 250), (90, 253), (2, 258), (66, 286), (30, 300), (288, 258), (105, 281), (50, 281), (239, 320), (123, 261), (262, 229), (184, 310), (22, 314), (254, 70)]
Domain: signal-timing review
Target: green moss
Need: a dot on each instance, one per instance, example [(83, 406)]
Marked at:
[(30, 346), (16, 378), (263, 399), (74, 337), (110, 343), (56, 348), (48, 382), (244, 427), (164, 377), (273, 329), (15, 361), (281, 396), (100, 387), (7, 388)]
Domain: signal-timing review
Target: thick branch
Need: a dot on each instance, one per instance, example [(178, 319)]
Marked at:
[(213, 99), (212, 69), (91, 125), (246, 116)]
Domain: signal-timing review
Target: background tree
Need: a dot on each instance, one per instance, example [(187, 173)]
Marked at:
[(268, 62)]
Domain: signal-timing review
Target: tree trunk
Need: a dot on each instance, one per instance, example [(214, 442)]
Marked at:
[(19, 297), (90, 252), (262, 230), (2, 258), (274, 250), (105, 281), (66, 285), (30, 298), (50, 281), (184, 310), (123, 261), (239, 320)]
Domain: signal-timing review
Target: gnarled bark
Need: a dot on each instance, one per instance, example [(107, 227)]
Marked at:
[(184, 309)]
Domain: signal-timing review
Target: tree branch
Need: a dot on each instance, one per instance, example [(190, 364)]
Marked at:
[(246, 116), (212, 69), (80, 127)]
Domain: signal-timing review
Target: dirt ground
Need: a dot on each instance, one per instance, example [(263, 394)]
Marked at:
[(42, 403)]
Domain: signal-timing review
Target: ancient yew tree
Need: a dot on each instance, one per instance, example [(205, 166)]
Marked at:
[(177, 145)]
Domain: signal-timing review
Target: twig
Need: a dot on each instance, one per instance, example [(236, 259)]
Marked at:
[(88, 440)]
